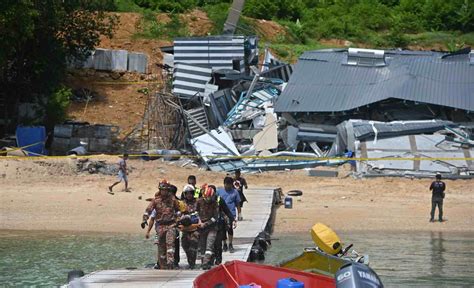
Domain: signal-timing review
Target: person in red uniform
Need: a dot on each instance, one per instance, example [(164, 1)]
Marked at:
[(167, 208)]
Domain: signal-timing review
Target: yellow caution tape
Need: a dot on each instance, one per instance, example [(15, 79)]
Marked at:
[(281, 158)]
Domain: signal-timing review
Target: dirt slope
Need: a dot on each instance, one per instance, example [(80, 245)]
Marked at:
[(118, 101)]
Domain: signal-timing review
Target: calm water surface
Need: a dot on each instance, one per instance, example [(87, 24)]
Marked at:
[(401, 259), (44, 258)]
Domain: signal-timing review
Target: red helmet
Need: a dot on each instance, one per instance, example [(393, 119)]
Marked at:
[(207, 191), (164, 185)]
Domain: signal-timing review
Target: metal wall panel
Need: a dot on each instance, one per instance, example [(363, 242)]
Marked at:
[(190, 80), (137, 62), (103, 59), (118, 60), (216, 52)]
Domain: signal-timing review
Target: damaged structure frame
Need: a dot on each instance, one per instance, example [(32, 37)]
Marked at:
[(239, 116)]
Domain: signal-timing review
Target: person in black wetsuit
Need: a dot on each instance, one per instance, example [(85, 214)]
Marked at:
[(437, 187)]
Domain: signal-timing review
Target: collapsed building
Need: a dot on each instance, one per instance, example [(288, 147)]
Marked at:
[(331, 86), (296, 116), (236, 111)]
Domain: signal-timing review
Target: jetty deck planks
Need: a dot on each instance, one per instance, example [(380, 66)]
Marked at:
[(256, 212)]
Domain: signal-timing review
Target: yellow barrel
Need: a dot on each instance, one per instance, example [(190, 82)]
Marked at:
[(326, 239)]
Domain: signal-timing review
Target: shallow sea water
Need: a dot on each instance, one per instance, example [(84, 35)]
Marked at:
[(402, 259), (44, 258)]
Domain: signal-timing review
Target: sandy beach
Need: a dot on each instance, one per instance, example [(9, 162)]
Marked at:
[(49, 195)]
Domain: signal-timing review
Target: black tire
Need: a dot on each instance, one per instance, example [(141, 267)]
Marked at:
[(295, 193), (74, 274)]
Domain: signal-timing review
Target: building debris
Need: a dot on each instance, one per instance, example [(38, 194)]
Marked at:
[(267, 138), (95, 167), (113, 60), (437, 146), (322, 173), (93, 138), (227, 106), (215, 145)]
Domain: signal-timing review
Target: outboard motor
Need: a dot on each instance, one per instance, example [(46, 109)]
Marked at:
[(356, 275)]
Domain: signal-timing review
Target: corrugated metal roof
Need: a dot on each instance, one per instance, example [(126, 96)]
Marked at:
[(321, 82)]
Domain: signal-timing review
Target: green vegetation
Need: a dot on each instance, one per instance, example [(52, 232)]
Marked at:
[(217, 16), (37, 40), (57, 105), (291, 52), (127, 6), (151, 28), (377, 23)]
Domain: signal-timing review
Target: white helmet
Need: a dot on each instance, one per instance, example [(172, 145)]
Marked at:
[(188, 188)]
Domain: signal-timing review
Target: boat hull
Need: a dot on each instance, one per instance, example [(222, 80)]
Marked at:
[(245, 273)]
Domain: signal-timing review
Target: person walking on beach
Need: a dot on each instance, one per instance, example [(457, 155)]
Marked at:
[(240, 183), (232, 199), (122, 174), (437, 187)]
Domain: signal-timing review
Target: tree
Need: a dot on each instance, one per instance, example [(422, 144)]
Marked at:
[(39, 37)]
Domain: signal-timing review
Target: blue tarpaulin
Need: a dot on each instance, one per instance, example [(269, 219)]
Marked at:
[(32, 138)]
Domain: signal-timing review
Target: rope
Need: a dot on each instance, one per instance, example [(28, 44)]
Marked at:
[(230, 275)]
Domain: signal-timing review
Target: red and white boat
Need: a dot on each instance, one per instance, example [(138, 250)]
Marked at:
[(244, 274)]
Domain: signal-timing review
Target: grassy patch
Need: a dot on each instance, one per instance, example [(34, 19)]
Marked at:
[(151, 28), (127, 6), (291, 52), (217, 14), (451, 40)]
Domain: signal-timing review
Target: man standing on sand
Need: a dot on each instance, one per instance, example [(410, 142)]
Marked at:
[(437, 187), (122, 174)]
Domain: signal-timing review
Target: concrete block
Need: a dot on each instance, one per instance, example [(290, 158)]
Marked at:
[(102, 131), (63, 131), (60, 146), (100, 145)]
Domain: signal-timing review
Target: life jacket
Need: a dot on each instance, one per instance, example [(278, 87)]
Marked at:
[(197, 193)]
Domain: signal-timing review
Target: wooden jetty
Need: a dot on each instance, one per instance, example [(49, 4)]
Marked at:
[(257, 213)]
